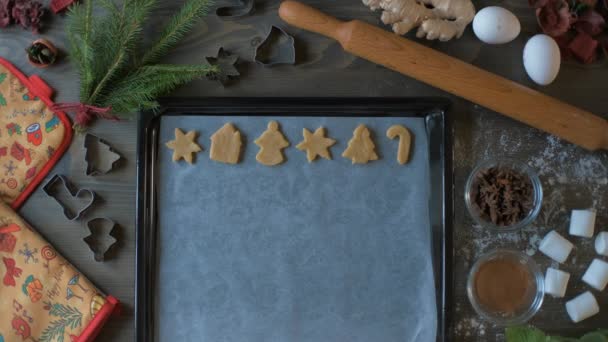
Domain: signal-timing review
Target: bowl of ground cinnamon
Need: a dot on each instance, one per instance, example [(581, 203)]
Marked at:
[(506, 287), (503, 195)]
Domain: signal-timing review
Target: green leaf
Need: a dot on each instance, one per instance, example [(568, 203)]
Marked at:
[(2, 100), (594, 337), (2, 77), (177, 28), (524, 334)]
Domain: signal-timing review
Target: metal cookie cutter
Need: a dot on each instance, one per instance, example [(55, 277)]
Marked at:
[(277, 48), (240, 9), (103, 237), (100, 157), (50, 188), (226, 62)]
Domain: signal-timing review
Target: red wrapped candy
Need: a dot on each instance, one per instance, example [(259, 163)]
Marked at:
[(584, 47), (6, 7), (554, 17), (590, 22)]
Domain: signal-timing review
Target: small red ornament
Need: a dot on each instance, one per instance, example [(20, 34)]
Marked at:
[(60, 5)]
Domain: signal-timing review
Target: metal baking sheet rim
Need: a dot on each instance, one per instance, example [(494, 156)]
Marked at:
[(439, 128)]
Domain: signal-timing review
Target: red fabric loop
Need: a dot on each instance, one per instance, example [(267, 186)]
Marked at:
[(85, 113)]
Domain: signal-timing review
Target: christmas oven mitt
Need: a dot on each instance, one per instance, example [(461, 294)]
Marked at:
[(32, 137), (42, 297)]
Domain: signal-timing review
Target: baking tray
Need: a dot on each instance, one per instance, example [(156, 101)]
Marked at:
[(438, 132)]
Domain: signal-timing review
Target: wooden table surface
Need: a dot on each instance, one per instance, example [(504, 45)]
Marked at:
[(572, 177)]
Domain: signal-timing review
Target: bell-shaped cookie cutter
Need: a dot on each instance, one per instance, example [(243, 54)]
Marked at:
[(97, 227), (277, 48)]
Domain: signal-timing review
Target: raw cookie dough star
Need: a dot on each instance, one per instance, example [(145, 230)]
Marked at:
[(361, 148), (184, 145), (316, 144)]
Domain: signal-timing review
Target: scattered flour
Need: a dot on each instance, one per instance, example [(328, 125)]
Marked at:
[(471, 327), (572, 178)]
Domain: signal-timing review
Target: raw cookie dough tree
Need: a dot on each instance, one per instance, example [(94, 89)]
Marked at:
[(226, 145), (435, 19), (316, 144), (271, 142), (361, 148), (184, 146)]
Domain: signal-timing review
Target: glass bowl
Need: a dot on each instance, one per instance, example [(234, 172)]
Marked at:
[(534, 295), (518, 167)]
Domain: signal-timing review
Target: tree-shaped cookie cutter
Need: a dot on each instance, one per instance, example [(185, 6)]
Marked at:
[(100, 156), (95, 240), (50, 188)]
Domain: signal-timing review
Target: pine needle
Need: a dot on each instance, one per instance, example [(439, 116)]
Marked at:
[(104, 48), (179, 26), (143, 86)]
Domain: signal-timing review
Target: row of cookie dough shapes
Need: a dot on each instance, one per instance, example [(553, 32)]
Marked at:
[(361, 148), (226, 145)]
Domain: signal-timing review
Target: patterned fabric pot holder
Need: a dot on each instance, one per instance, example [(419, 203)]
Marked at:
[(43, 298), (32, 137)]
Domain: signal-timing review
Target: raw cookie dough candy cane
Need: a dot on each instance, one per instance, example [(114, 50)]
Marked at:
[(405, 142)]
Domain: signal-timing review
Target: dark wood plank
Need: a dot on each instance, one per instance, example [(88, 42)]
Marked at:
[(572, 177)]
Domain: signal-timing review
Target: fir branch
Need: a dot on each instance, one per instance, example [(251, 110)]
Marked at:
[(139, 89), (104, 48), (178, 27), (119, 41), (79, 26)]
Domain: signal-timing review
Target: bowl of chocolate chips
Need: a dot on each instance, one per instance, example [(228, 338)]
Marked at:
[(503, 195)]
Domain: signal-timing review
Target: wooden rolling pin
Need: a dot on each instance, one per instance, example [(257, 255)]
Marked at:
[(454, 76)]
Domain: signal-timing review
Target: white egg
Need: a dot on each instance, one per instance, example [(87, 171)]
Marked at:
[(542, 59), (496, 25)]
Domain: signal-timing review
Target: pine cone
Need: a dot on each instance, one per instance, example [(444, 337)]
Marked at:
[(6, 7)]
